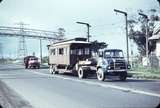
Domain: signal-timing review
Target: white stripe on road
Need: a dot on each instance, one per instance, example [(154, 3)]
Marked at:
[(103, 85)]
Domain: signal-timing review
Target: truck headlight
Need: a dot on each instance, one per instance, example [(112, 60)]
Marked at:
[(108, 67), (129, 66)]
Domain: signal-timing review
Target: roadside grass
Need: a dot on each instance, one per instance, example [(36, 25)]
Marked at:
[(145, 72)]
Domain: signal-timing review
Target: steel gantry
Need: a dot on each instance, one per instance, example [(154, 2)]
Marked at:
[(22, 33)]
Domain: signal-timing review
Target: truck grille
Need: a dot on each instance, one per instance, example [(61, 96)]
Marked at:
[(117, 65)]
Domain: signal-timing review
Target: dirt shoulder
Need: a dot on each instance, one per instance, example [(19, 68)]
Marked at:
[(10, 99)]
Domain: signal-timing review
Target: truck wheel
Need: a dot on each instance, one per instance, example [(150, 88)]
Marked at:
[(38, 67), (26, 66), (82, 73), (123, 76), (100, 75), (34, 67)]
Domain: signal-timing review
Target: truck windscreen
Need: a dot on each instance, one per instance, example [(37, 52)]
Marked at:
[(114, 53)]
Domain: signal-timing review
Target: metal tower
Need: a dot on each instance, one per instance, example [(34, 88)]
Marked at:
[(22, 33), (22, 48)]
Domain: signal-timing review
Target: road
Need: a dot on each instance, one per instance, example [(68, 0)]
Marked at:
[(43, 90)]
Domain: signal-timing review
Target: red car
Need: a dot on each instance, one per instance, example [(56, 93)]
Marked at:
[(31, 62)]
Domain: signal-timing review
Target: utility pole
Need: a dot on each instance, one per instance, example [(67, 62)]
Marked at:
[(40, 50), (126, 21), (146, 21), (88, 29)]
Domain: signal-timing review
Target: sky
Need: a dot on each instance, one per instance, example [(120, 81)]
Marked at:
[(106, 25)]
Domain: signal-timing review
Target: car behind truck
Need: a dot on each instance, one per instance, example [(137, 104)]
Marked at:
[(75, 56)]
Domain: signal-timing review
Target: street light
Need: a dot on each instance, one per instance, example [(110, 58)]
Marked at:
[(146, 19), (88, 26), (125, 13)]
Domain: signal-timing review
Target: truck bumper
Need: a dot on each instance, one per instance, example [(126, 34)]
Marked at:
[(34, 64), (116, 72), (122, 70)]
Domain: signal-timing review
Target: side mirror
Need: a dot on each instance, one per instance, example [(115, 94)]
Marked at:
[(101, 54)]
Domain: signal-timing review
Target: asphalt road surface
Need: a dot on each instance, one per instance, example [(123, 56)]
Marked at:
[(43, 90)]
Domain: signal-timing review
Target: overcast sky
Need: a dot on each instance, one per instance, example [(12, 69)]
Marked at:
[(52, 14)]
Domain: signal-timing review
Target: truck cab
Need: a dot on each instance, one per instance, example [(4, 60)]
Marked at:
[(111, 62), (31, 62)]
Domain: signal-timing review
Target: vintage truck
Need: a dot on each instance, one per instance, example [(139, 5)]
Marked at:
[(111, 62), (31, 62), (75, 56)]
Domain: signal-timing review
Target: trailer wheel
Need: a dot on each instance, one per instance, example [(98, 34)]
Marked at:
[(82, 73), (53, 69), (100, 75)]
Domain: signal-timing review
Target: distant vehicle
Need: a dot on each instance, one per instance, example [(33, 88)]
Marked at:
[(112, 62), (71, 56), (31, 62)]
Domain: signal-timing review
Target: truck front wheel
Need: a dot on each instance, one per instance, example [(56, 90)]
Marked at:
[(82, 73), (100, 74), (123, 76), (26, 66), (38, 66)]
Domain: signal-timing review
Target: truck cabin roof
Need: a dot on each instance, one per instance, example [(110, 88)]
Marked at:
[(71, 41), (113, 50)]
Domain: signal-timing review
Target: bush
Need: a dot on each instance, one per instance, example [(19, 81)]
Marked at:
[(45, 59)]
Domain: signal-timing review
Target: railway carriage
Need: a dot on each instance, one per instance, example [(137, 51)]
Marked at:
[(71, 56)]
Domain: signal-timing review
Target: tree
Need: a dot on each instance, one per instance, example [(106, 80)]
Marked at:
[(45, 59), (139, 36), (98, 45)]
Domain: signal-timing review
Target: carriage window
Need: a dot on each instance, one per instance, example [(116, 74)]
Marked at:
[(86, 51), (80, 51), (52, 52), (61, 51), (73, 52)]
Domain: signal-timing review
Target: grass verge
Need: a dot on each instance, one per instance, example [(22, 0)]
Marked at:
[(145, 72)]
